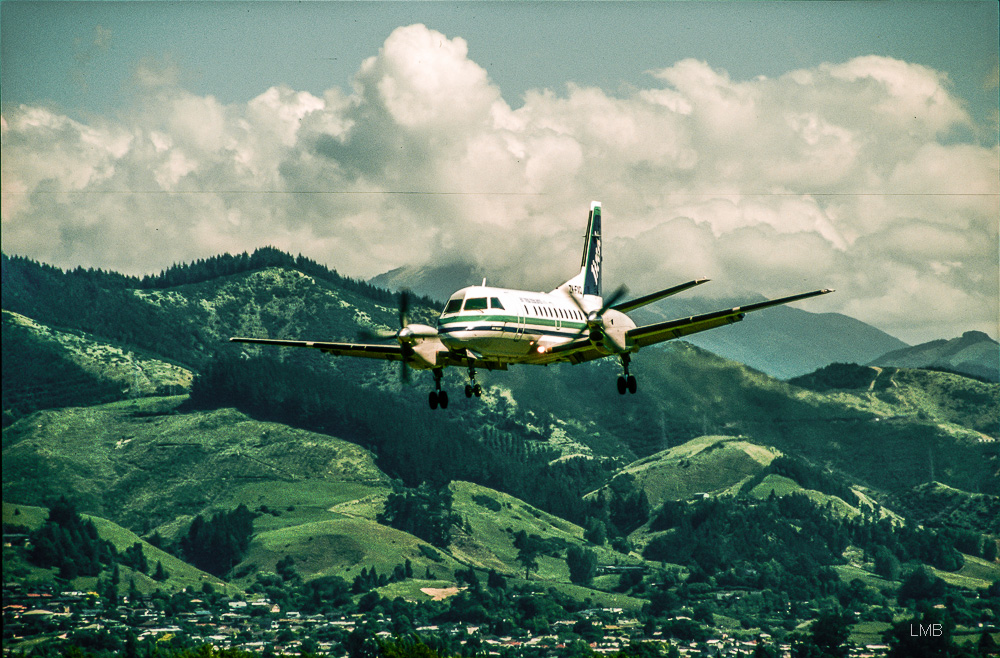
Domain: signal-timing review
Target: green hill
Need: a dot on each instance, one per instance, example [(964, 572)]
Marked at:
[(143, 464), (939, 505), (973, 353), (343, 546), (46, 367), (708, 464), (181, 574), (947, 398)]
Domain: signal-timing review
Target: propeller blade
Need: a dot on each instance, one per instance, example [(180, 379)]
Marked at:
[(596, 316), (620, 292), (404, 307), (404, 366), (369, 335)]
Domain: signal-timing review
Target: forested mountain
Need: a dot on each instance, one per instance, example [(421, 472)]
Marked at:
[(274, 469), (973, 353)]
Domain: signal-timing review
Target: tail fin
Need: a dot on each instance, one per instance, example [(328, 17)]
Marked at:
[(588, 281)]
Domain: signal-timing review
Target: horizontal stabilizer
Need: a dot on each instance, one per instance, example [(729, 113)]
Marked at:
[(625, 307)]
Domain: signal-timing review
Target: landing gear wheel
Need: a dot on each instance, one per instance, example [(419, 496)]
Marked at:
[(472, 388), (438, 397), (622, 385), (631, 384)]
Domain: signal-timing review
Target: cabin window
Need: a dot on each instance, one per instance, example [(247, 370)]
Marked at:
[(475, 304), (495, 303), (454, 306)]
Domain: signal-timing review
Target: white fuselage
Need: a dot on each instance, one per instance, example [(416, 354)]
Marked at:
[(518, 326)]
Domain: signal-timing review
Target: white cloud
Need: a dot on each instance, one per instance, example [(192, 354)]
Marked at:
[(848, 175)]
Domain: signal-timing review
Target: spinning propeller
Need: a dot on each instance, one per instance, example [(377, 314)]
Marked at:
[(595, 319), (407, 335)]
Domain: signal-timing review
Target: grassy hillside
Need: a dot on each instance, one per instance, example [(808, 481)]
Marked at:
[(709, 464), (939, 505), (492, 519), (181, 574), (143, 464), (44, 367), (142, 374), (946, 398), (342, 547)]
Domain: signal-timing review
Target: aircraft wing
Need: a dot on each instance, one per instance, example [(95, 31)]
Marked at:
[(625, 307), (372, 351), (657, 333)]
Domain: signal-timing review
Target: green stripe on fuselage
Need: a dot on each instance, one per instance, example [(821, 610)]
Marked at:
[(528, 321)]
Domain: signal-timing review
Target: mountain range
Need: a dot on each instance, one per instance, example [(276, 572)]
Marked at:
[(973, 353), (124, 396)]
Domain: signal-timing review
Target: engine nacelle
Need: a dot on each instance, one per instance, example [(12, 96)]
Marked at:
[(614, 327)]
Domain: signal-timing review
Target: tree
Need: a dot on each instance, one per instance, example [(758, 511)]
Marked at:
[(424, 512), (495, 580), (921, 585), (596, 533), (582, 564), (217, 545), (886, 564), (990, 549), (528, 549), (830, 632), (361, 644), (133, 591), (987, 645)]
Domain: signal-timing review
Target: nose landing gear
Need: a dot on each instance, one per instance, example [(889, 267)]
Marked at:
[(626, 382), (473, 388)]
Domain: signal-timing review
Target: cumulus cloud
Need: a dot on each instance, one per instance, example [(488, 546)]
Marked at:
[(851, 175)]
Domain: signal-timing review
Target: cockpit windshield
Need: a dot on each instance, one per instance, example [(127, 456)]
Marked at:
[(454, 305), (475, 304)]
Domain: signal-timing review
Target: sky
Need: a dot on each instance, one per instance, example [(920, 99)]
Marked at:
[(774, 147)]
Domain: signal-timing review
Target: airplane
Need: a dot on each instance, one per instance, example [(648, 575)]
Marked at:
[(483, 327)]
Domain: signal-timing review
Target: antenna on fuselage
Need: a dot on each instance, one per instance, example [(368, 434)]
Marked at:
[(484, 281)]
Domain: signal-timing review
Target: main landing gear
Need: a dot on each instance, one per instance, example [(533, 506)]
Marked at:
[(438, 397), (626, 382), (472, 388)]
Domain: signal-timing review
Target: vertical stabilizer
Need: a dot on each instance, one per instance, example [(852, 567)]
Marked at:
[(592, 252), (588, 281)]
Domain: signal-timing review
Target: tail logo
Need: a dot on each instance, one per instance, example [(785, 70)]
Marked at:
[(595, 262)]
